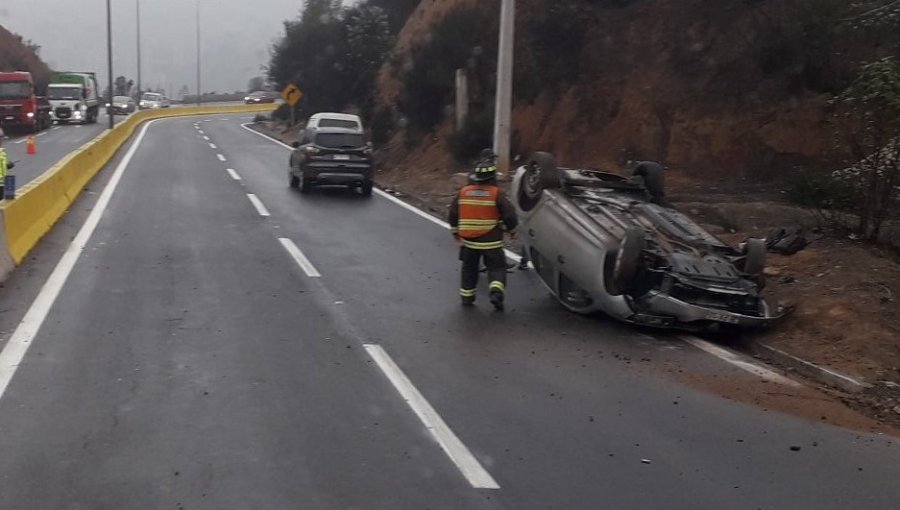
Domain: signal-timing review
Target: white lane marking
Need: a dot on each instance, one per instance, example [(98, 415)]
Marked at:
[(738, 361), (21, 141), (212, 146), (206, 138), (257, 203), (467, 464), (15, 349), (234, 175), (300, 258), (42, 133), (200, 131), (226, 118), (221, 157), (415, 210), (54, 128)]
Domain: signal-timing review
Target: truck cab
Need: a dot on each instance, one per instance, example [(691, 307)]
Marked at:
[(73, 97), (20, 107)]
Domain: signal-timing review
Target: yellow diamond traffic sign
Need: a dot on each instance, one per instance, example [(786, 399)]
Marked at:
[(292, 94)]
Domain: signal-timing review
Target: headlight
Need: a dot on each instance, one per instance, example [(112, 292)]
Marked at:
[(247, 98), (107, 105), (29, 114)]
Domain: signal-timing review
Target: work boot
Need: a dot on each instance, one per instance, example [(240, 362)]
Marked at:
[(468, 300), (523, 265), (497, 300)]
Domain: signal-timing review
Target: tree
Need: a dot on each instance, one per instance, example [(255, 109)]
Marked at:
[(256, 83), (868, 117)]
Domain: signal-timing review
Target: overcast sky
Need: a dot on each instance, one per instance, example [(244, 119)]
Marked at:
[(235, 37)]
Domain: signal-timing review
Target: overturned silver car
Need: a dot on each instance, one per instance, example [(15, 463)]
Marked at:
[(604, 242)]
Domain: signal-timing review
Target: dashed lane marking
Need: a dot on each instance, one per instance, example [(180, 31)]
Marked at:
[(22, 338), (300, 258), (221, 157), (257, 203), (459, 454), (212, 146), (234, 175)]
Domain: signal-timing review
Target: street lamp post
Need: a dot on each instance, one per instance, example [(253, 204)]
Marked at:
[(503, 111), (138, 49), (109, 62), (198, 52)]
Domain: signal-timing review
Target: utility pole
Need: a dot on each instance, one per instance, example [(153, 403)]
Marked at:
[(109, 67), (503, 112), (462, 99), (198, 52), (138, 49)]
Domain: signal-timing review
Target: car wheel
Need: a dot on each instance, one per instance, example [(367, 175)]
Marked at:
[(366, 188), (293, 181), (755, 261), (654, 180), (627, 262), (305, 185), (540, 173)]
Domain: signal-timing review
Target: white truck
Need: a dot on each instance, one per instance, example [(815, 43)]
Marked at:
[(74, 97)]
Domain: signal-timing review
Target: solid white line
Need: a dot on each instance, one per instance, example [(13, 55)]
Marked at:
[(467, 464), (300, 258), (28, 328), (740, 362), (257, 203), (234, 175), (221, 157), (212, 146)]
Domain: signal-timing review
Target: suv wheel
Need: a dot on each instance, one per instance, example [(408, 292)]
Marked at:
[(293, 181), (366, 188)]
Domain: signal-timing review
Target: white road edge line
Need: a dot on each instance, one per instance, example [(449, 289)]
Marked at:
[(15, 349), (221, 157), (509, 254), (212, 146), (234, 175), (257, 203), (299, 258), (738, 361), (21, 141), (459, 454)]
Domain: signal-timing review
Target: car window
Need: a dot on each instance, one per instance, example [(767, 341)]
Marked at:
[(150, 97), (340, 140), (339, 123)]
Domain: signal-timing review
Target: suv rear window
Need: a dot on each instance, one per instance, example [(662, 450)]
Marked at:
[(340, 140), (338, 123)]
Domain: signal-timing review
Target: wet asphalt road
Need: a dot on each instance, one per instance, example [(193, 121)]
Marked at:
[(190, 362)]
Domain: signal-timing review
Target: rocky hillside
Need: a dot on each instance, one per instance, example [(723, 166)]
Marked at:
[(15, 55), (713, 87)]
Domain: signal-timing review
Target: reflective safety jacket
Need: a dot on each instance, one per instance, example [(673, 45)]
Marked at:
[(478, 215), (4, 165)]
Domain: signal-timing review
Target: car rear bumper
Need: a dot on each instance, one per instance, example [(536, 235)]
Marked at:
[(338, 173)]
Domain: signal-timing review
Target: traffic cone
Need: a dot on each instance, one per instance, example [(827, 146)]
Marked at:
[(32, 148)]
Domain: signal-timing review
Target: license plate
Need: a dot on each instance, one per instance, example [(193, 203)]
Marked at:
[(10, 117), (342, 157), (721, 317)]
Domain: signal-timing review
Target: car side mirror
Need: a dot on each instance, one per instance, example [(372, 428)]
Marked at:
[(295, 145)]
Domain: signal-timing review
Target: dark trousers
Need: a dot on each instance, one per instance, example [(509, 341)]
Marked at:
[(495, 260)]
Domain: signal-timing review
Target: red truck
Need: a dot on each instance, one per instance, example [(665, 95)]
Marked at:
[(19, 106)]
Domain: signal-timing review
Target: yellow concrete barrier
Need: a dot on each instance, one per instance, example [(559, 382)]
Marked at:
[(40, 203)]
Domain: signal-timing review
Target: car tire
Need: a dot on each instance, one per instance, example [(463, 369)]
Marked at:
[(755, 262), (627, 262), (293, 181), (654, 179), (540, 173), (305, 185), (366, 188)]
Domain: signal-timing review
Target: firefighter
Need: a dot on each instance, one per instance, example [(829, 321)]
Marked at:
[(5, 164), (478, 216)]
